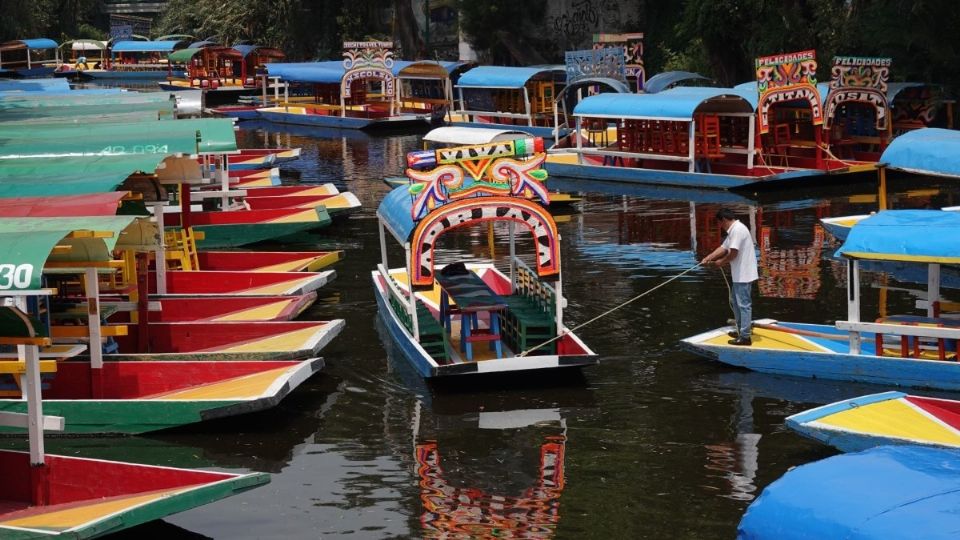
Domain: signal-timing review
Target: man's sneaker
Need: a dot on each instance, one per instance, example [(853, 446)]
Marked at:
[(733, 334), (741, 341)]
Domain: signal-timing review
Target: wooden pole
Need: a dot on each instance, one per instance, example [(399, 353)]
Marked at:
[(882, 188), (143, 303)]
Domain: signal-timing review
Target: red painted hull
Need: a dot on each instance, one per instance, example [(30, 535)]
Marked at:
[(236, 217), (136, 380), (284, 191), (204, 310), (250, 260), (201, 338), (285, 201), (212, 282)]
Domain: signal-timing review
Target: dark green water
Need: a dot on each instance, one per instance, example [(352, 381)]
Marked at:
[(652, 443)]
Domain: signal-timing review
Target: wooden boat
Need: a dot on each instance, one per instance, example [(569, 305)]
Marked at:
[(674, 137), (519, 317), (336, 205), (856, 424), (340, 98), (516, 98), (140, 59), (41, 497), (902, 350), (132, 397), (113, 396), (268, 261), (280, 155), (221, 283), (252, 178), (925, 151), (885, 492), (244, 227), (227, 308), (28, 58)]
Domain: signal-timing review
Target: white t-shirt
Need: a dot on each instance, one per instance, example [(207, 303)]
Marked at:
[(743, 267)]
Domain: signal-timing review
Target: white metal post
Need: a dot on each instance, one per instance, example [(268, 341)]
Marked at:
[(691, 147), (526, 104), (579, 137), (853, 303), (161, 257), (413, 295), (92, 287), (383, 244), (558, 289), (751, 141), (31, 357), (513, 256), (224, 173), (933, 289)]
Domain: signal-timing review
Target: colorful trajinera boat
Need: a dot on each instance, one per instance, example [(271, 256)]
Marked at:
[(902, 350), (101, 394), (885, 492), (341, 97), (502, 97), (28, 58), (441, 318), (706, 137), (925, 151), (856, 424), (51, 496), (140, 59)]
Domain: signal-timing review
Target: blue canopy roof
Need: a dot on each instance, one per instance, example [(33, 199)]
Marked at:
[(394, 212), (924, 236), (933, 151), (674, 104), (884, 492), (37, 43), (311, 72), (661, 81), (145, 46), (504, 76)]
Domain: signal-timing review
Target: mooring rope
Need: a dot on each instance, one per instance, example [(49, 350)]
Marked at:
[(609, 311)]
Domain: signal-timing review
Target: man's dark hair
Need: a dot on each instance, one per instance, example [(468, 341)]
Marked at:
[(725, 213)]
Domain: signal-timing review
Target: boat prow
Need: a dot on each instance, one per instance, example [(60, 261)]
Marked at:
[(860, 423), (114, 495)]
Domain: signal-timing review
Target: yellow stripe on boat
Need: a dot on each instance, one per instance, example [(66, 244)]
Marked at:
[(293, 341), (318, 191), (288, 266), (566, 158), (432, 296), (246, 387), (279, 288), (892, 418), (309, 215), (265, 312), (76, 516), (901, 257), (772, 340)]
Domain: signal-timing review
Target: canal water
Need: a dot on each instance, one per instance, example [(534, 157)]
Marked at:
[(652, 443)]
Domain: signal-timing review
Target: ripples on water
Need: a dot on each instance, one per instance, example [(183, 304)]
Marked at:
[(652, 443)]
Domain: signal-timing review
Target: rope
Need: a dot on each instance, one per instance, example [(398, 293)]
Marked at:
[(729, 296), (609, 311)]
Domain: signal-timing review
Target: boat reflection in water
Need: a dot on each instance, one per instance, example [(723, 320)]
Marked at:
[(512, 504)]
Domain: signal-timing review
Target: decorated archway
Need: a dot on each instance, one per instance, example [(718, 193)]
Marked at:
[(787, 77), (472, 211), (859, 80)]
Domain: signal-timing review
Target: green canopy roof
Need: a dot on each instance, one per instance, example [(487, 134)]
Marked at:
[(182, 56), (26, 245), (71, 175), (27, 100), (101, 118), (207, 135)]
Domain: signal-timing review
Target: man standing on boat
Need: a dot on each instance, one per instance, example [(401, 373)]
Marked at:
[(738, 251)]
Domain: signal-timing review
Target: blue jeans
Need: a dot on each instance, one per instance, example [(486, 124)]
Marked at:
[(742, 307)]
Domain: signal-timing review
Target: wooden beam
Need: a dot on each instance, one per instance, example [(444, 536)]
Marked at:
[(900, 329), (82, 265), (83, 332), (38, 341), (90, 234), (21, 420), (18, 367)]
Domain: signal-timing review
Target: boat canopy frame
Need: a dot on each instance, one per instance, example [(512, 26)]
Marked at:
[(674, 105), (441, 197), (505, 78)]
